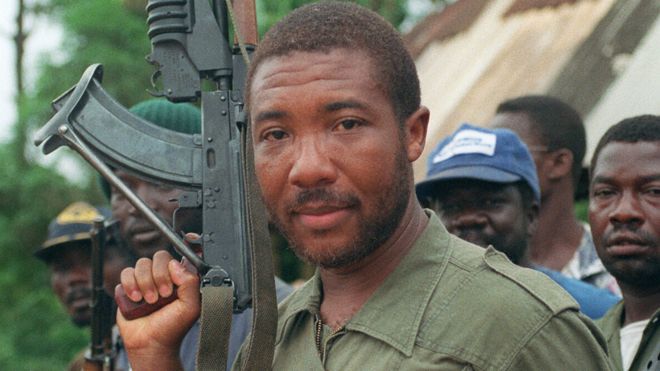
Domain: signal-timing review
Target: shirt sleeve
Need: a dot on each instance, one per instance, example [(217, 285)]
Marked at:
[(568, 341)]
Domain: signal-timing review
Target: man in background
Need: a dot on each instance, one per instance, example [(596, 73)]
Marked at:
[(555, 136), (67, 253), (624, 213), (145, 240), (483, 185)]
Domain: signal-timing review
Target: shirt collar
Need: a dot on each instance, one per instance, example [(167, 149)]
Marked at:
[(394, 313), (402, 294)]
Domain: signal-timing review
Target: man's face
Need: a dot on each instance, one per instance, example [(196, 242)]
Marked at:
[(140, 234), (71, 280), (522, 125), (624, 211), (329, 154), (486, 213)]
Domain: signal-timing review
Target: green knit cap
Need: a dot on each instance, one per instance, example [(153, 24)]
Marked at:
[(182, 117)]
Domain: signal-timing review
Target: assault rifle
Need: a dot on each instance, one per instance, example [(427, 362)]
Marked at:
[(190, 45), (101, 355)]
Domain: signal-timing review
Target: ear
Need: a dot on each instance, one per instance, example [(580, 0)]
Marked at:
[(532, 216), (415, 132), (561, 163)]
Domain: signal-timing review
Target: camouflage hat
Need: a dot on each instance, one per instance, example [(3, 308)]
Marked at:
[(73, 224)]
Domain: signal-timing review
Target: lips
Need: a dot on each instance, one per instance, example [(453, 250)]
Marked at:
[(625, 244), (79, 298), (143, 233), (320, 216)]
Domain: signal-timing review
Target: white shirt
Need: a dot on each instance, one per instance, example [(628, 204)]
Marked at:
[(631, 336)]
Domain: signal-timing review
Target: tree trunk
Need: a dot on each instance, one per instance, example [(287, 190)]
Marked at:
[(20, 135)]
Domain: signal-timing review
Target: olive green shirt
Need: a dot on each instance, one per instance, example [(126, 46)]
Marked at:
[(648, 350), (449, 305)]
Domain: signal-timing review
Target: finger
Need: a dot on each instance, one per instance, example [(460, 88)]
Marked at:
[(127, 278), (187, 281), (195, 242), (161, 273), (145, 280)]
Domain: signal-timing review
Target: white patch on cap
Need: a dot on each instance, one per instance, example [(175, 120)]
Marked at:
[(465, 142)]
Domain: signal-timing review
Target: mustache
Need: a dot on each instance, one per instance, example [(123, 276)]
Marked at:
[(78, 293), (628, 233), (322, 196)]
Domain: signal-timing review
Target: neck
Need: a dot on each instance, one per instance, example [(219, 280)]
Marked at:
[(639, 303), (547, 247), (346, 289)]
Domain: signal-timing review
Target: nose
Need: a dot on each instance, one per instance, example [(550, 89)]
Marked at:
[(466, 219), (313, 165), (626, 210), (78, 274)]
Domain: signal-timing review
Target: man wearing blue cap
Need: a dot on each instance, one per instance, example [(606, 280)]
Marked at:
[(483, 184)]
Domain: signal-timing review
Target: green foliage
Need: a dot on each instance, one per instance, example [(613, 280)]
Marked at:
[(36, 333), (95, 31), (582, 210)]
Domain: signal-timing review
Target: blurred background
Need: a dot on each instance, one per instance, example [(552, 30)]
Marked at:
[(600, 56)]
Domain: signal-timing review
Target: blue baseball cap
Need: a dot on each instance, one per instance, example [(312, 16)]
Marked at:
[(493, 155)]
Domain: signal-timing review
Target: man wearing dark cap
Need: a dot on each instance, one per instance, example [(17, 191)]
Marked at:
[(145, 240), (483, 185), (67, 252)]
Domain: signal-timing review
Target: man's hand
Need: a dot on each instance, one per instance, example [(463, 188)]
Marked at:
[(152, 342)]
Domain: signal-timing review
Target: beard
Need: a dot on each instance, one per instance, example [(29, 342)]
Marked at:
[(640, 271), (374, 228)]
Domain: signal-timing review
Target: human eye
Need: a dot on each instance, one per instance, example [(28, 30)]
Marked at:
[(492, 203), (653, 190), (602, 192), (115, 194), (275, 135), (348, 124)]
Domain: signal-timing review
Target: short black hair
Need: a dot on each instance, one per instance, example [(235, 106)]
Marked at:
[(645, 128), (324, 26), (556, 124)]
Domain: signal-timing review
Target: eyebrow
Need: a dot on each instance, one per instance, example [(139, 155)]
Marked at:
[(269, 115), (337, 106), (609, 180), (330, 107)]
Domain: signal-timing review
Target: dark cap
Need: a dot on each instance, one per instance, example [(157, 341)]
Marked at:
[(493, 155), (73, 224)]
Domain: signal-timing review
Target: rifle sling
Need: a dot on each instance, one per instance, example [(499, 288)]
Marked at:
[(259, 347), (217, 304), (215, 322)]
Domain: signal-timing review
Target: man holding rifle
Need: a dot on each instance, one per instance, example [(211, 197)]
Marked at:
[(335, 106), (67, 251), (145, 240)]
